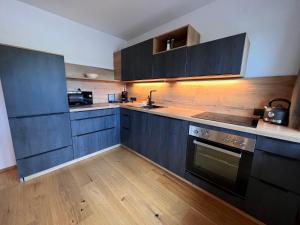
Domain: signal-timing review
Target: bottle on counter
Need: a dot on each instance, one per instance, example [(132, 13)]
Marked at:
[(172, 44), (168, 44)]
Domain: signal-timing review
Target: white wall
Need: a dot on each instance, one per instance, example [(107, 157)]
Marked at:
[(30, 27), (7, 156), (25, 26), (272, 25)]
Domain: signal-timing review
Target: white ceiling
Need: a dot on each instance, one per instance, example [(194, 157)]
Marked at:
[(125, 19)]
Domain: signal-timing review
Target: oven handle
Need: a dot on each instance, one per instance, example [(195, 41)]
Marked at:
[(237, 155)]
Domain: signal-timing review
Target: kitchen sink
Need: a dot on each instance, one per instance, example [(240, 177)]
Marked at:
[(146, 106), (152, 106)]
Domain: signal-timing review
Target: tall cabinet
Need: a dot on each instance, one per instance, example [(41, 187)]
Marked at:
[(35, 93)]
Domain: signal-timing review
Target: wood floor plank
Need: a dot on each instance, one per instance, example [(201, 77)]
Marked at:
[(114, 188)]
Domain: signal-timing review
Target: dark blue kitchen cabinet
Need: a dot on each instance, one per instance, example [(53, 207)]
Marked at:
[(90, 125), (37, 163), (170, 64), (136, 61), (168, 140), (95, 130), (135, 130), (35, 93), (279, 147), (273, 195), (277, 170), (80, 115), (126, 128), (272, 205), (140, 132), (33, 82), (163, 140), (219, 57), (39, 134)]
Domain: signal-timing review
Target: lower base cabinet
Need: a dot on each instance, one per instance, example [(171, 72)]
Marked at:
[(34, 164), (163, 140), (41, 142), (94, 130), (271, 205), (273, 190)]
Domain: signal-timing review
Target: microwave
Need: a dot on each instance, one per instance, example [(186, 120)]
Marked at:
[(77, 98)]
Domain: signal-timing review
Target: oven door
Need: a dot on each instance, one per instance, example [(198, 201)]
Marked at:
[(223, 166)]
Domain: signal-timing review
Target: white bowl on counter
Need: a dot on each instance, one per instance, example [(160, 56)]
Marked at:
[(91, 75)]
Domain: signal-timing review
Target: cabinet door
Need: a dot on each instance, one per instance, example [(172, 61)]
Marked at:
[(167, 143), (128, 64), (170, 64), (177, 144), (143, 60), (157, 149), (271, 205), (33, 82), (276, 170), (44, 161), (35, 135), (126, 128), (137, 61), (140, 130), (223, 56)]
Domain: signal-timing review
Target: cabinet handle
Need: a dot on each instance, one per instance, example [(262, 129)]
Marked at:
[(237, 155)]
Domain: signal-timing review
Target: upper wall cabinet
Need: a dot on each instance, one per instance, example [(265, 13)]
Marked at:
[(186, 58), (170, 64), (226, 56), (33, 82), (136, 61)]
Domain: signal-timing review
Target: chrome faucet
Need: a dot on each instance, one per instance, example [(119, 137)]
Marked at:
[(150, 102)]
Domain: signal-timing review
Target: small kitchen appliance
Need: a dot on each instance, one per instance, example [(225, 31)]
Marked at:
[(222, 158), (277, 111), (124, 96), (77, 98)]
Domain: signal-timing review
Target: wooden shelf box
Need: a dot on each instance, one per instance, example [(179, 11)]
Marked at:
[(184, 36)]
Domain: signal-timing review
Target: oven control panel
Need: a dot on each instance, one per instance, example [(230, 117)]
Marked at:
[(236, 141)]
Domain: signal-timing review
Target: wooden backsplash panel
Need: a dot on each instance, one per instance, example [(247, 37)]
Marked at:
[(100, 89), (238, 96)]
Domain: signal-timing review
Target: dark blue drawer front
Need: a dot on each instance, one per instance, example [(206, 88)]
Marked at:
[(279, 147), (35, 135), (280, 171), (92, 113), (93, 142), (44, 161), (90, 125)]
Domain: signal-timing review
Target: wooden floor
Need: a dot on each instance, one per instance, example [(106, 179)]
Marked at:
[(116, 187)]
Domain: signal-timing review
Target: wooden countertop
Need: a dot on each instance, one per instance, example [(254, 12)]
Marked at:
[(263, 129), (93, 107)]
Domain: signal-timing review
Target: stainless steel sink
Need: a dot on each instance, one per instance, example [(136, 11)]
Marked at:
[(152, 106), (146, 106)]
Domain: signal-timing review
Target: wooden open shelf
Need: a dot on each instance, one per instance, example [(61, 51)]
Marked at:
[(184, 36)]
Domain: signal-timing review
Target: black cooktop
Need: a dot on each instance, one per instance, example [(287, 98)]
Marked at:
[(226, 118)]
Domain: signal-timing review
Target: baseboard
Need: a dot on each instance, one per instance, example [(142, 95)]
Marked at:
[(35, 175), (196, 187), (8, 168)]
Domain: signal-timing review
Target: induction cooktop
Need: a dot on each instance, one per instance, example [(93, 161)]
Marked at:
[(227, 118)]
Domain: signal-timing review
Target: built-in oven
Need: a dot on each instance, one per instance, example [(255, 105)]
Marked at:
[(221, 158)]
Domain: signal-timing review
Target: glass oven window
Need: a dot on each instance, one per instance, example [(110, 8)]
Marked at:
[(218, 161)]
